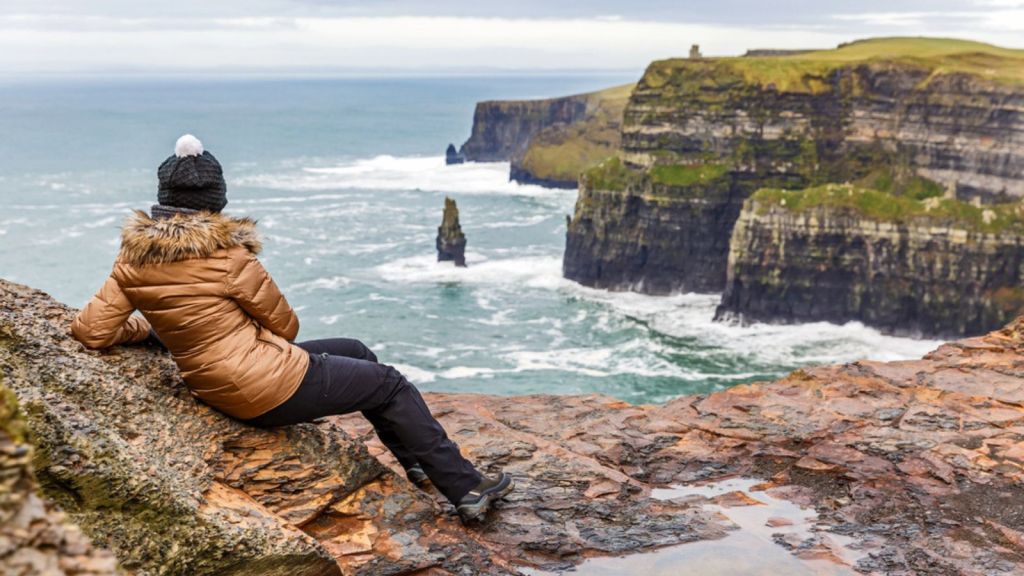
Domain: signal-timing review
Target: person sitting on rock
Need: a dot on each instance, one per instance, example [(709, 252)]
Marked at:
[(193, 274)]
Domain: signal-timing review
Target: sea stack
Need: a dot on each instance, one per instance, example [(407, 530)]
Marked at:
[(453, 156), (451, 242)]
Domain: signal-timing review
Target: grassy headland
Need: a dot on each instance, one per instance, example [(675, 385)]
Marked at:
[(561, 152)]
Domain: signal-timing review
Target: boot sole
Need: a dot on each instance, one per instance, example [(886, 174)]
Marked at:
[(473, 512)]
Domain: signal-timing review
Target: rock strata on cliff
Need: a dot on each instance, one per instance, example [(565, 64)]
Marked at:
[(700, 136), (451, 242), (839, 253), (548, 142)]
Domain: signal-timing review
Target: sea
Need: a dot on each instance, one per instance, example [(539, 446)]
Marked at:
[(347, 179)]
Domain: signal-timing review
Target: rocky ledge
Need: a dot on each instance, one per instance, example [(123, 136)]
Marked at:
[(916, 465)]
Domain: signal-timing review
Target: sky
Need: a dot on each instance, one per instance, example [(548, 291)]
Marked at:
[(54, 37)]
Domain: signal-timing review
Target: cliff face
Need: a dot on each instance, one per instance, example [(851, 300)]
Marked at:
[(636, 231), (504, 128), (548, 142), (921, 275), (920, 464), (954, 119)]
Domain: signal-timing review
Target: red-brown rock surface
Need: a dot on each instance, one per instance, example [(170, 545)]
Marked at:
[(918, 462)]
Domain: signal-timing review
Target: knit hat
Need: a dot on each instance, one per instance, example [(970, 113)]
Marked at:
[(192, 178)]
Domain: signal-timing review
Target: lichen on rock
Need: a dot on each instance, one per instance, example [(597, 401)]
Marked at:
[(35, 536)]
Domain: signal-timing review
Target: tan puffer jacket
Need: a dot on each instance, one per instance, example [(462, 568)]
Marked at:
[(197, 282)]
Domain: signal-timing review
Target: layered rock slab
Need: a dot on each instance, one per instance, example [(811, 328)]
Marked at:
[(919, 462)]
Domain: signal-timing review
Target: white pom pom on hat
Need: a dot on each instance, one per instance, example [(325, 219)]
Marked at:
[(188, 145)]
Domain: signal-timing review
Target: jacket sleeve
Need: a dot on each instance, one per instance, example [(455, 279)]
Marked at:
[(255, 291), (107, 319)]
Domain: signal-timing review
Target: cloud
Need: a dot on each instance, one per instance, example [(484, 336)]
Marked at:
[(54, 36), (985, 24), (408, 42)]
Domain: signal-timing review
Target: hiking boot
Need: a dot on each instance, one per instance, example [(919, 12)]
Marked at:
[(417, 476), (475, 504)]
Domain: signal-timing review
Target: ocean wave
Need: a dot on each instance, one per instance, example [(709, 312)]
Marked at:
[(403, 173), (691, 317), (529, 271), (687, 317), (330, 283)]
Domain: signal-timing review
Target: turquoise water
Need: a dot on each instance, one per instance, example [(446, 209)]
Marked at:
[(347, 180)]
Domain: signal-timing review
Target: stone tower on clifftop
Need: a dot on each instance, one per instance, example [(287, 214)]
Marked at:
[(695, 52), (451, 242)]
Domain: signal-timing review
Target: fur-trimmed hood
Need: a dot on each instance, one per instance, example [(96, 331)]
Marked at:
[(145, 240)]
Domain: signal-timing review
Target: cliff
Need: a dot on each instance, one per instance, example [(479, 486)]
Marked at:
[(936, 267), (701, 136), (550, 141), (915, 467)]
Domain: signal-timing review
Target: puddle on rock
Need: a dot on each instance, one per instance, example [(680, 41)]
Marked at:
[(774, 536)]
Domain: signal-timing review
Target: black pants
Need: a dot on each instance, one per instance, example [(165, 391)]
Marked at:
[(343, 377)]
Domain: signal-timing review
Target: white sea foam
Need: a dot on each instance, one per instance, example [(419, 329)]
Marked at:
[(331, 283), (108, 221), (690, 316), (685, 316), (530, 271), (404, 173), (517, 222), (414, 374)]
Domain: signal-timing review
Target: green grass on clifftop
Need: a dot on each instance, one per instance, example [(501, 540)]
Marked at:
[(900, 180), (885, 207), (807, 72)]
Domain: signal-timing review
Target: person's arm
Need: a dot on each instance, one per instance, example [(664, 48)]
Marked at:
[(255, 291), (107, 320)]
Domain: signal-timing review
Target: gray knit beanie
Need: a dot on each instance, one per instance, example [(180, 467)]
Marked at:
[(192, 178)]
